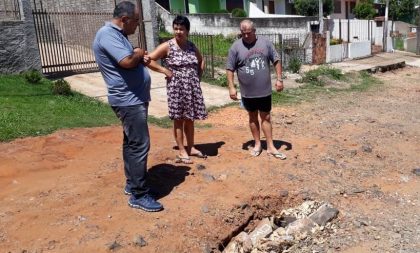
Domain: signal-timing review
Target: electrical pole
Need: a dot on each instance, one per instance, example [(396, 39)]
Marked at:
[(321, 17), (385, 36), (418, 30)]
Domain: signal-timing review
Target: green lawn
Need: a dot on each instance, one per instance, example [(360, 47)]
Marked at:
[(32, 110)]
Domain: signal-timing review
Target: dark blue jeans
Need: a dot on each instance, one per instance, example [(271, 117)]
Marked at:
[(136, 145)]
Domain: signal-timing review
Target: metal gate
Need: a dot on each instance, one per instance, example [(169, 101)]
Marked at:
[(65, 39)]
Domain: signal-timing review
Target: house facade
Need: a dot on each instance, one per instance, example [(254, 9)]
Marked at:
[(212, 6), (343, 9)]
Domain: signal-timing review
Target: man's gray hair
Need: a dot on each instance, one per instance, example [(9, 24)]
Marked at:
[(125, 8), (248, 22)]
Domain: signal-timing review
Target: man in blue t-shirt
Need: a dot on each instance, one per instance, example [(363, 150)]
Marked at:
[(128, 84), (250, 57)]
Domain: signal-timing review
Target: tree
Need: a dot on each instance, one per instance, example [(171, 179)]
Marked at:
[(364, 9), (402, 10), (310, 7)]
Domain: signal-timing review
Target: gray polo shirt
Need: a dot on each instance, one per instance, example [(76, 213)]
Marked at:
[(125, 86), (252, 64)]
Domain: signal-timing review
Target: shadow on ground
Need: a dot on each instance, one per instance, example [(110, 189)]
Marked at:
[(162, 178)]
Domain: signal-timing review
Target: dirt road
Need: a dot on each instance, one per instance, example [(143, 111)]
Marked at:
[(64, 192)]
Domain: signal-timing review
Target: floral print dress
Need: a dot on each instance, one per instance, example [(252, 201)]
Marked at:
[(185, 98)]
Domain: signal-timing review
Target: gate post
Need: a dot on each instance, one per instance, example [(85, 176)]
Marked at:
[(418, 39), (21, 51), (150, 23), (318, 48), (32, 55)]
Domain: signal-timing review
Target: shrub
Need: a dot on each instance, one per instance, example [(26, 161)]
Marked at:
[(364, 9), (238, 12), (295, 64), (336, 41), (33, 76), (61, 87), (221, 11), (222, 80), (310, 7), (312, 76)]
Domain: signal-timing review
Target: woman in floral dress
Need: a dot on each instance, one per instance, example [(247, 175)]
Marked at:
[(185, 98)]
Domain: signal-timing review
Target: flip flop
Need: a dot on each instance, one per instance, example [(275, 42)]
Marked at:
[(199, 154), (255, 153), (184, 160), (278, 155)]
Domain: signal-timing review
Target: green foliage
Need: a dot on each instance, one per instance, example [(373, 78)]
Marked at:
[(32, 110), (402, 10), (312, 76), (33, 76), (399, 43), (238, 13), (221, 11), (310, 7), (360, 82), (364, 9), (61, 87), (295, 64), (336, 41), (222, 80)]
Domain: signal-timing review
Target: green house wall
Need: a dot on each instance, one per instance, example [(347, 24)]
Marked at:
[(209, 6), (177, 6)]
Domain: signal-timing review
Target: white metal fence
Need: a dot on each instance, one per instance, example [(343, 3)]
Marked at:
[(354, 30)]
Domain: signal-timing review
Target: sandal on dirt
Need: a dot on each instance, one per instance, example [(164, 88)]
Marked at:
[(199, 154), (184, 160), (256, 153), (277, 155)]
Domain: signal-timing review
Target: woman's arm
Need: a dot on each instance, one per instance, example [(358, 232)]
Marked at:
[(160, 52), (153, 65)]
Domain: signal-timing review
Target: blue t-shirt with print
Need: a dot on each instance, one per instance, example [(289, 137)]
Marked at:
[(125, 86)]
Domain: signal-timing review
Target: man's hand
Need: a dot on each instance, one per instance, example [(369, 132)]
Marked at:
[(279, 85), (146, 59), (233, 93), (139, 51)]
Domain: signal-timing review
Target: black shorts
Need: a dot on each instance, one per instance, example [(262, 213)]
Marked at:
[(257, 104)]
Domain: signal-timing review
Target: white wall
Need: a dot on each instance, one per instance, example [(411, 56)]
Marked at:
[(410, 44), (256, 12), (359, 49), (337, 53), (360, 30)]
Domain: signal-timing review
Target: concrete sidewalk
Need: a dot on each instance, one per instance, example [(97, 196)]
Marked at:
[(377, 60), (93, 85)]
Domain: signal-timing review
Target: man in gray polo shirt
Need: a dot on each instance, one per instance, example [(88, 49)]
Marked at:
[(128, 83), (250, 57)]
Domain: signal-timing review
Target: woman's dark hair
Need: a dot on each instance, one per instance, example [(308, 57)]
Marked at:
[(182, 20)]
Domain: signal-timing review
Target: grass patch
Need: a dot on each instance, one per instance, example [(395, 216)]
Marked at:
[(315, 76), (314, 86), (399, 43), (221, 80), (166, 122), (32, 109), (366, 81), (163, 122)]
